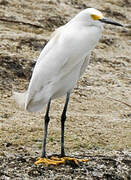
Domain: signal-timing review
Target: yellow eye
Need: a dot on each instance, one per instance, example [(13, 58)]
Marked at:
[(96, 17)]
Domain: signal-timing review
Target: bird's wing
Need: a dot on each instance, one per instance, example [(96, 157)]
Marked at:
[(63, 53), (55, 61), (85, 64), (53, 39), (21, 98)]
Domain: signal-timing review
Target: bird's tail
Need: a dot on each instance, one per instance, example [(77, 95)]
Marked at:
[(20, 98)]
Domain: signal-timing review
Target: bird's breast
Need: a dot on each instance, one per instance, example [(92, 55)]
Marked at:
[(82, 39)]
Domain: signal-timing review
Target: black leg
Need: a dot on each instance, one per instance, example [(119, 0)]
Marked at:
[(63, 118), (47, 119)]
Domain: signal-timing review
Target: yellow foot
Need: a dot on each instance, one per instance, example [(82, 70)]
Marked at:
[(57, 161)]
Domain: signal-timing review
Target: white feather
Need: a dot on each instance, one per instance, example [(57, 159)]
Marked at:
[(20, 98), (62, 61)]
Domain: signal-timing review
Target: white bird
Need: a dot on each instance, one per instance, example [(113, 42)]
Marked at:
[(61, 64)]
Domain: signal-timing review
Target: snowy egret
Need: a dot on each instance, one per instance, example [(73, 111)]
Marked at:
[(60, 65)]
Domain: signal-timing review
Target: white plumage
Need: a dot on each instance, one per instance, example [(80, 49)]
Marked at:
[(60, 65), (63, 60)]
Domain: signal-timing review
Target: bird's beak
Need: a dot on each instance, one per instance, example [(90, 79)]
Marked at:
[(108, 21)]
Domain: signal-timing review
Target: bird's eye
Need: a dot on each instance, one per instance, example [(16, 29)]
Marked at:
[(96, 17)]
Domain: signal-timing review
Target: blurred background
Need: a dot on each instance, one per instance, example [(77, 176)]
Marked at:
[(100, 108)]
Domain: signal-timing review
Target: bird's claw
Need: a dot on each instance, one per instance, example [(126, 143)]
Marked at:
[(57, 161)]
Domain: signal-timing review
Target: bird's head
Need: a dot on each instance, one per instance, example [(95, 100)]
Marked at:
[(94, 17)]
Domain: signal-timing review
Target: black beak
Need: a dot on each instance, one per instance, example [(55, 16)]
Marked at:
[(108, 21)]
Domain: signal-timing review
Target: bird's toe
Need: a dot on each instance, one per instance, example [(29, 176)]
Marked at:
[(57, 161)]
